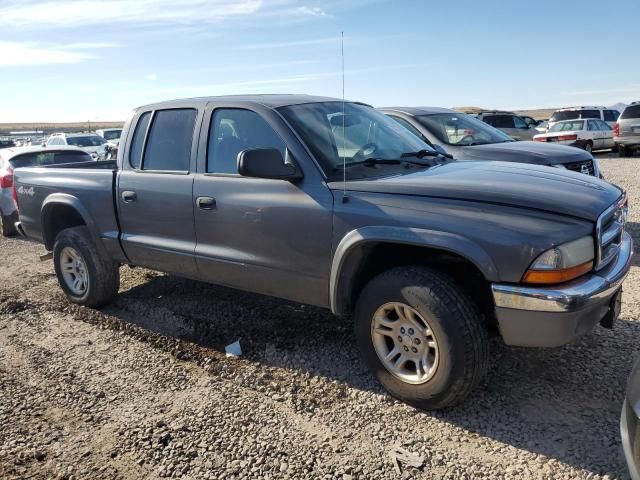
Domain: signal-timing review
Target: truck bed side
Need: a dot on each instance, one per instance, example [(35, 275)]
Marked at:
[(53, 198)]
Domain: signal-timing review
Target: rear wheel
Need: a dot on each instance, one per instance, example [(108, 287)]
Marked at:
[(6, 227), (589, 146), (622, 151), (86, 275), (421, 336)]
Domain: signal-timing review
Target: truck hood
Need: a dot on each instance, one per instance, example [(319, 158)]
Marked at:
[(514, 184), (525, 152)]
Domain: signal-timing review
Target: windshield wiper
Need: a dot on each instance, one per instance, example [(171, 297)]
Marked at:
[(369, 162), (426, 153)]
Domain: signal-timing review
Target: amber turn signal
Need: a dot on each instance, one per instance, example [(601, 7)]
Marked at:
[(550, 277)]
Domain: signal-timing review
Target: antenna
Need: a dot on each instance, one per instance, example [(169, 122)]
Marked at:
[(344, 142)]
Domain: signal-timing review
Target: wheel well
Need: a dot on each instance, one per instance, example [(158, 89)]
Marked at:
[(371, 259), (56, 219)]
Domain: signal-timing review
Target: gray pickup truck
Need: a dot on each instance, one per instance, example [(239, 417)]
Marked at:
[(334, 204)]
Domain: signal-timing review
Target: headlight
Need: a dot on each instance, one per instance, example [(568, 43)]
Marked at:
[(562, 263)]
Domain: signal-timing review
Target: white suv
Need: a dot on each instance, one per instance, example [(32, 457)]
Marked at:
[(91, 143), (607, 115)]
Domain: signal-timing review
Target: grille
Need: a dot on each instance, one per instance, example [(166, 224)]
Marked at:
[(609, 231), (578, 167)]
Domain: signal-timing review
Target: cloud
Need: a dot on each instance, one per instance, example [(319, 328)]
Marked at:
[(294, 43), (312, 11), (82, 13), (21, 54), (16, 54), (152, 76)]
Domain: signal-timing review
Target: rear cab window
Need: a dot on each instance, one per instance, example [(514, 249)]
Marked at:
[(632, 111), (163, 141)]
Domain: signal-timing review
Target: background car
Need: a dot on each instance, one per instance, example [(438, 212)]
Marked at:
[(91, 143), (630, 423), (607, 115), (16, 157), (7, 143), (626, 131), (467, 138), (532, 122), (589, 134), (111, 135), (508, 122)]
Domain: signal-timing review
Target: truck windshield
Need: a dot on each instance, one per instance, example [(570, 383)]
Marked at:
[(88, 141), (357, 136), (461, 129)]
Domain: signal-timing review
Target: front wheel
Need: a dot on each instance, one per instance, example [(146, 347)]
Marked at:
[(421, 336), (86, 275)]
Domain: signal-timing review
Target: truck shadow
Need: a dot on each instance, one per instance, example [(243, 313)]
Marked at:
[(561, 403)]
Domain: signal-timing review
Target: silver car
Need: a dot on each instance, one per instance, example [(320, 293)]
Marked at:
[(630, 423), (626, 132), (12, 158)]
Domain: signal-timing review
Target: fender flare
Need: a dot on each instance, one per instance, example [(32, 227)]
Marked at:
[(56, 199), (445, 241)]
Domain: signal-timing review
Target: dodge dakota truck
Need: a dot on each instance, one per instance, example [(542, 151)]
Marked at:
[(334, 204)]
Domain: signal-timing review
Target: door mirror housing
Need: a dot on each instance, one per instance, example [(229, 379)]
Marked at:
[(266, 163)]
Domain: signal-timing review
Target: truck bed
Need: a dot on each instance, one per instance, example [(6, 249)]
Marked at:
[(88, 187)]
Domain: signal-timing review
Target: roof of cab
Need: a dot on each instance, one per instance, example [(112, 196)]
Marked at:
[(419, 110), (270, 101)]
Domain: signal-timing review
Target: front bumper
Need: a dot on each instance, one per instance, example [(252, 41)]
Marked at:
[(554, 316), (630, 434)]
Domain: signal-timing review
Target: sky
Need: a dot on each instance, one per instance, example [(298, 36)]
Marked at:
[(92, 60)]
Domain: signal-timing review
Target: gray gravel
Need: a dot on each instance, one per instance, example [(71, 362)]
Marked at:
[(142, 388)]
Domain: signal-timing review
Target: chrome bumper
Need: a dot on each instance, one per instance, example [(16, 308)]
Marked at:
[(570, 296)]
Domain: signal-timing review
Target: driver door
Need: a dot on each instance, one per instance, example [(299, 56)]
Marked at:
[(263, 235)]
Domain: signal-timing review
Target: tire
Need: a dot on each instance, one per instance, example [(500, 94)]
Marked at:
[(588, 147), (456, 328), (100, 275), (6, 227), (622, 151)]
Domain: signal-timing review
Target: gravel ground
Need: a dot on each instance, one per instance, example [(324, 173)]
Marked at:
[(142, 388)]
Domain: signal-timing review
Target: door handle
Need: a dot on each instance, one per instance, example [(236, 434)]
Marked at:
[(206, 203), (129, 196)]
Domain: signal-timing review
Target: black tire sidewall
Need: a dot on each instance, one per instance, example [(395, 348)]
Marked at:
[(103, 272), (447, 332), (69, 238)]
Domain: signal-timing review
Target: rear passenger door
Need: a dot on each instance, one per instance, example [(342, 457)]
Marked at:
[(155, 188), (263, 235)]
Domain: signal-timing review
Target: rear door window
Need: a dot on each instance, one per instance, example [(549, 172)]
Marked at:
[(170, 139), (592, 126), (500, 121), (610, 115)]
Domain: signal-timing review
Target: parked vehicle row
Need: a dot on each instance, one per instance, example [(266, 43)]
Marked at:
[(607, 115), (586, 134), (335, 204), (467, 138)]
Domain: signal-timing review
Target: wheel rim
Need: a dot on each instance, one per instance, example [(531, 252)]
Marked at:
[(405, 343), (74, 271)]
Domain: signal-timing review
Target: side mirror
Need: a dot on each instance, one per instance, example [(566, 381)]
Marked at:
[(266, 163)]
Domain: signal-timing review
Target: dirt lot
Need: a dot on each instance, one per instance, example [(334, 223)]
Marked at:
[(142, 388)]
